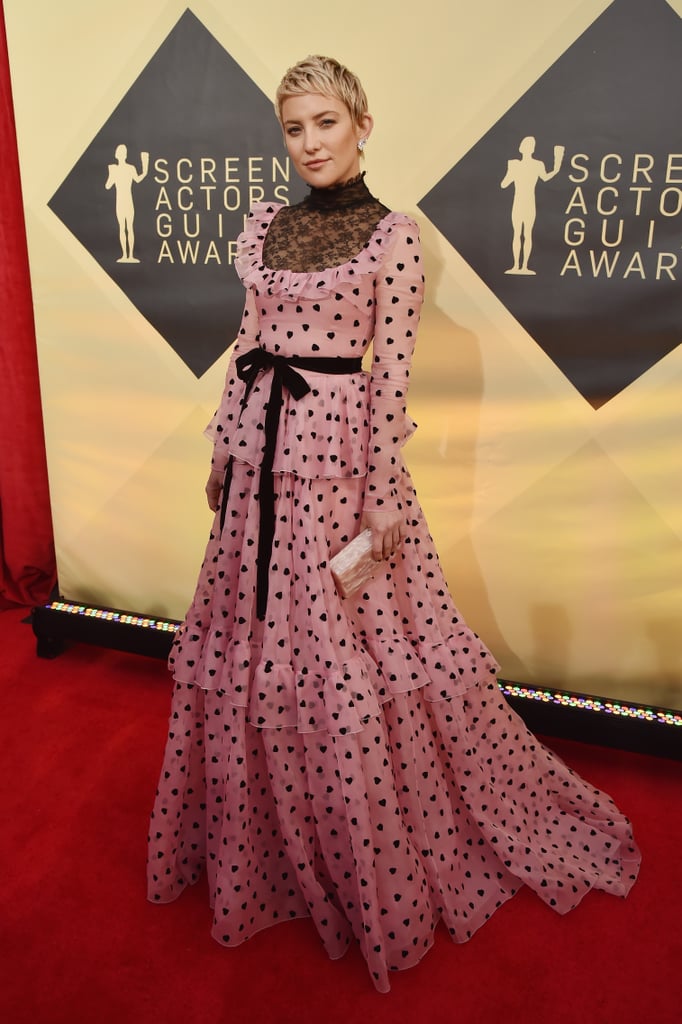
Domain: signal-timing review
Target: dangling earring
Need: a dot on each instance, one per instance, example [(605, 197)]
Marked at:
[(361, 144)]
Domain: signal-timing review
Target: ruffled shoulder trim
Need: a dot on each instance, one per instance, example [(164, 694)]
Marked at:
[(297, 284)]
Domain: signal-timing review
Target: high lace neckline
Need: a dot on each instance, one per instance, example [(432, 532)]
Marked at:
[(330, 227), (349, 193)]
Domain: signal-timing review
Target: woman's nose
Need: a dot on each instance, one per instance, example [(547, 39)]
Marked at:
[(311, 141)]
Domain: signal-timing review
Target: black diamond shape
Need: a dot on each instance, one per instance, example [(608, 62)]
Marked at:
[(212, 133), (615, 91)]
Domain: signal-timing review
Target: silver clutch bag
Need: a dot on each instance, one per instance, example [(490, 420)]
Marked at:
[(353, 565)]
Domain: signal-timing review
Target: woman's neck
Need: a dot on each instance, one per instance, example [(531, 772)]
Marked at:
[(348, 193)]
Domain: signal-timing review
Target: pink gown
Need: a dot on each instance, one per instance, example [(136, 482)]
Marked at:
[(351, 759)]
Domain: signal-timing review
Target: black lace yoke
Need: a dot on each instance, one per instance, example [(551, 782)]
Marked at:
[(327, 229)]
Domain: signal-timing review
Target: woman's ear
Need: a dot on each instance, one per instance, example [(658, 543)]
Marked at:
[(364, 127)]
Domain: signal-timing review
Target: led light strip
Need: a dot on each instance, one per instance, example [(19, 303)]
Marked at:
[(106, 615), (595, 704)]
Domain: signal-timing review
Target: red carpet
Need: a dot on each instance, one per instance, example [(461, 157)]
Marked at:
[(81, 749)]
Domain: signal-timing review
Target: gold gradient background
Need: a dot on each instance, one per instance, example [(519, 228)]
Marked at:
[(559, 527)]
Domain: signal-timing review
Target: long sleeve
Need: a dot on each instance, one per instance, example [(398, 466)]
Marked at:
[(399, 295), (227, 413)]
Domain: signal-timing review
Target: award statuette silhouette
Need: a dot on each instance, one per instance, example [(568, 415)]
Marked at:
[(524, 174), (122, 176)]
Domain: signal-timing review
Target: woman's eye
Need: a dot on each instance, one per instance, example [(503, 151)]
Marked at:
[(293, 130), (328, 122)]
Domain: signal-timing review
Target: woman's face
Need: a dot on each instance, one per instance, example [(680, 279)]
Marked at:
[(322, 139)]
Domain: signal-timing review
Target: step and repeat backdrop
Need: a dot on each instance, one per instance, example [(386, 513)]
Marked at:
[(538, 145)]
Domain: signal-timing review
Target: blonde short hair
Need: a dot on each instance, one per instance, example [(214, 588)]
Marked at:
[(326, 76)]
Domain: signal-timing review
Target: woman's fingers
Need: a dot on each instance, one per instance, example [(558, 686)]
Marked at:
[(390, 542), (388, 529), (213, 488)]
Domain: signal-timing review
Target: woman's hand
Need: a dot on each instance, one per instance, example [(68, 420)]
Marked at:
[(388, 530), (214, 486)]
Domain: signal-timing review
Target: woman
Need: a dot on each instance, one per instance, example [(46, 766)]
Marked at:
[(348, 759)]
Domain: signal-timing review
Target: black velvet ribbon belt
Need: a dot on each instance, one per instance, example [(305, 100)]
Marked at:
[(284, 375)]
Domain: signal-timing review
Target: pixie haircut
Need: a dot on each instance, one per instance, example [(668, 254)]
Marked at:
[(326, 76)]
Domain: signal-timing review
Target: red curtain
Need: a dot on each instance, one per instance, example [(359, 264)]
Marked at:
[(27, 562)]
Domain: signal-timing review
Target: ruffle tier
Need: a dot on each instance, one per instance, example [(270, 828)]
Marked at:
[(312, 440), (290, 673), (347, 695)]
